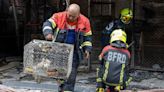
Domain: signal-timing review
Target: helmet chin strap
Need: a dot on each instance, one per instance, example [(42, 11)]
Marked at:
[(125, 21)]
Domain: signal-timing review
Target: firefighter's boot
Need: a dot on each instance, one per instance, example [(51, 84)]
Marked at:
[(60, 88), (100, 90)]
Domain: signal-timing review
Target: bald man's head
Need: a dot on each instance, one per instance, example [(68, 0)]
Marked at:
[(73, 12)]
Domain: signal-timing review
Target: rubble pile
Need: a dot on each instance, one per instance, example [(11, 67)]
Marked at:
[(146, 80)]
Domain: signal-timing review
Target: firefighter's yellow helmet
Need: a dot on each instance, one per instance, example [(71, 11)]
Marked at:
[(126, 15), (118, 35)]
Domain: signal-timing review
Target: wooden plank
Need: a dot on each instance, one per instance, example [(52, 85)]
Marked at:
[(9, 66)]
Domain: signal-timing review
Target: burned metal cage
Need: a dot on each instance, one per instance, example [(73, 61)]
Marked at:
[(48, 59)]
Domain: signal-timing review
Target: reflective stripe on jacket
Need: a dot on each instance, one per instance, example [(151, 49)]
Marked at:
[(59, 20), (114, 72)]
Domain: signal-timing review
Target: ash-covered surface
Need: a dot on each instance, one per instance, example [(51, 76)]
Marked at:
[(86, 81), (139, 75), (45, 58), (22, 82), (143, 79)]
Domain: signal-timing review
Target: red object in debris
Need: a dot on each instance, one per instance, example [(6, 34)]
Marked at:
[(108, 90)]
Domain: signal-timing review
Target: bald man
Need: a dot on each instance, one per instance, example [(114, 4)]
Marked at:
[(73, 28)]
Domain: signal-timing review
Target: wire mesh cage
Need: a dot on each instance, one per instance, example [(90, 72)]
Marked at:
[(48, 59)]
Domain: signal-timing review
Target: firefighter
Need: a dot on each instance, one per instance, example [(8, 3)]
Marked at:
[(124, 22), (114, 60), (71, 27)]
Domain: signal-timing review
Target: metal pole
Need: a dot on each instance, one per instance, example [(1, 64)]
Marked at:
[(133, 47), (16, 26), (45, 11), (89, 8)]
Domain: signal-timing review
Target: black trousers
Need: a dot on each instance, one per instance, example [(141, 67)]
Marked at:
[(70, 82)]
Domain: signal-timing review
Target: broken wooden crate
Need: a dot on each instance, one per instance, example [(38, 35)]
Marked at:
[(48, 59)]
